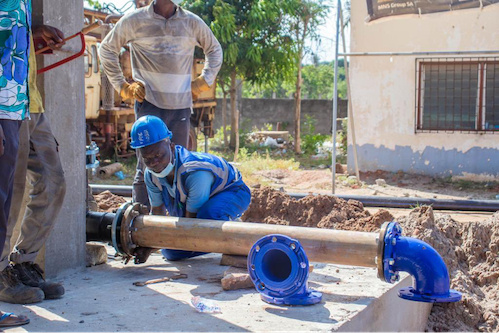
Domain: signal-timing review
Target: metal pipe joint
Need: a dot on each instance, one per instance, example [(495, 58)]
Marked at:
[(278, 257)]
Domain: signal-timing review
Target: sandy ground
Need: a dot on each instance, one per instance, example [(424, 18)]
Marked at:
[(397, 185), (104, 299)]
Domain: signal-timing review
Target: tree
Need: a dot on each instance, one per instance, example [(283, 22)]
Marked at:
[(317, 83), (94, 4), (256, 46), (308, 16)]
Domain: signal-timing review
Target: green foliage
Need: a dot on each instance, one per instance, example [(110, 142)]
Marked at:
[(252, 35), (342, 139), (268, 127), (94, 4), (310, 141), (318, 83)]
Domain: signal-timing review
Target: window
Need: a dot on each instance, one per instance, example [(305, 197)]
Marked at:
[(95, 62), (86, 64), (457, 94)]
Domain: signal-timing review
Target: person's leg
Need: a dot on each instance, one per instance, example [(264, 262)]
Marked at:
[(11, 288), (179, 122), (227, 205), (7, 170), (17, 191), (46, 176)]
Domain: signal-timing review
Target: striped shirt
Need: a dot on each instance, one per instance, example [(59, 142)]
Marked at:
[(15, 24), (162, 54)]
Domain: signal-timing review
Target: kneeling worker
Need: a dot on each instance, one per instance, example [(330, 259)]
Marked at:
[(184, 183)]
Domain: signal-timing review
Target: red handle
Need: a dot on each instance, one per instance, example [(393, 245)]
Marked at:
[(63, 61)]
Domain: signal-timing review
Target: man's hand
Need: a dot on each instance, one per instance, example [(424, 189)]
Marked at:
[(135, 90), (53, 37), (198, 86), (2, 141), (141, 254)]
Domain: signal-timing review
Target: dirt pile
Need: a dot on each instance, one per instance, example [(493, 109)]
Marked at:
[(470, 250), (108, 202), (321, 211)]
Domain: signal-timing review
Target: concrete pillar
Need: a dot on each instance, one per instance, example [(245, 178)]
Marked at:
[(63, 91)]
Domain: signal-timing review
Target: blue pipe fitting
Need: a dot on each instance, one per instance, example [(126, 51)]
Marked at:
[(278, 267), (429, 272), (91, 154)]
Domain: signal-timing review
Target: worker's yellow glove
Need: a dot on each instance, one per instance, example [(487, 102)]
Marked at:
[(135, 90), (198, 86)]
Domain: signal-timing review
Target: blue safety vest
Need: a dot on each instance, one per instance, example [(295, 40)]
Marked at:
[(186, 162)]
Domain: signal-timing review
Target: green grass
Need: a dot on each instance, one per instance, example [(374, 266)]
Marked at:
[(464, 184)]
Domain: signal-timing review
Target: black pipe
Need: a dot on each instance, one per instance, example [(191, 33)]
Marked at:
[(98, 226), (367, 201)]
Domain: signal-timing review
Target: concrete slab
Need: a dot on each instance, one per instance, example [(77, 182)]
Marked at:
[(103, 298)]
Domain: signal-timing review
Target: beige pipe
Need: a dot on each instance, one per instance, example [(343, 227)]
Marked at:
[(236, 238)]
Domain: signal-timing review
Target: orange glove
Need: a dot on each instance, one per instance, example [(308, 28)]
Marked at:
[(135, 90), (199, 86)]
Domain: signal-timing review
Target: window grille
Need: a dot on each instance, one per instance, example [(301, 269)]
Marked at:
[(457, 94)]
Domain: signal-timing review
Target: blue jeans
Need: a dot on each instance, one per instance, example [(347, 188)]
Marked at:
[(227, 205), (178, 121)]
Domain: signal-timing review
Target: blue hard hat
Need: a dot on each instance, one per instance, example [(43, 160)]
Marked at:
[(148, 130)]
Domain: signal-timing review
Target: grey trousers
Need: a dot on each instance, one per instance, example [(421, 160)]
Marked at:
[(178, 121), (38, 162), (7, 169)]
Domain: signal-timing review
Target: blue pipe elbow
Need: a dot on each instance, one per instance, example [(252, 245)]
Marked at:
[(279, 268), (429, 272)]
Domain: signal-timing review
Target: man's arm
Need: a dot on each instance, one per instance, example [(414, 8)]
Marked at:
[(155, 196), (212, 50), (198, 185), (158, 210), (109, 52)]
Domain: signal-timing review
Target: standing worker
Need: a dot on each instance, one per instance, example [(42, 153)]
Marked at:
[(184, 183), (38, 161), (162, 37), (14, 52)]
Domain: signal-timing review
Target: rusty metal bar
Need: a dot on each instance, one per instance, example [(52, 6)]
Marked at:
[(237, 238)]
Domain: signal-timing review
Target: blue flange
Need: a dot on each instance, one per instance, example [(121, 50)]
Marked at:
[(430, 275), (278, 267)]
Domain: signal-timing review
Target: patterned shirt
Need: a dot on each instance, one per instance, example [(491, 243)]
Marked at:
[(162, 52), (15, 24)]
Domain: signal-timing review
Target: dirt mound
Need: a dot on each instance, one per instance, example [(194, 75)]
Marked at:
[(470, 250), (108, 202), (321, 211)]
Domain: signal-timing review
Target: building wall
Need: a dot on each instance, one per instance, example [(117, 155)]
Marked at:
[(62, 90), (257, 112), (384, 92)]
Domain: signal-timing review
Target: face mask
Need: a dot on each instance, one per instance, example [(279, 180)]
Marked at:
[(166, 171), (177, 2)]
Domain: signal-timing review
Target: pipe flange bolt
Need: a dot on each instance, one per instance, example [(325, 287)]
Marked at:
[(392, 234)]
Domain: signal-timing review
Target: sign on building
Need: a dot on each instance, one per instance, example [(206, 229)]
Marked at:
[(383, 8)]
